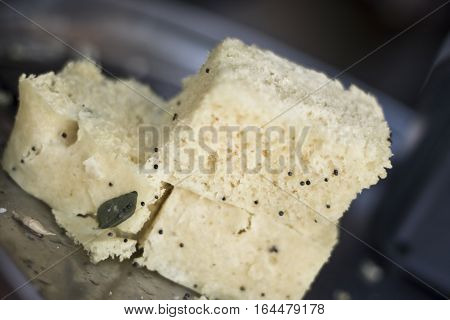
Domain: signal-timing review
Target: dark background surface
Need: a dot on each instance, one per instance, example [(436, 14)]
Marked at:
[(404, 220), (341, 32)]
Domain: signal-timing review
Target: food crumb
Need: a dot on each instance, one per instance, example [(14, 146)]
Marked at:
[(341, 295), (32, 224), (371, 272)]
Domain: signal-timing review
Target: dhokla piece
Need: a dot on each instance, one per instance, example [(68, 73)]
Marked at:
[(225, 252), (75, 146), (334, 142)]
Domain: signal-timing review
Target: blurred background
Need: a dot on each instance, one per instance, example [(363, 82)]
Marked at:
[(406, 217)]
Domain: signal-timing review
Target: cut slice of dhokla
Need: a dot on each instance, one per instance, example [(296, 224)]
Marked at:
[(75, 146), (225, 252), (272, 137)]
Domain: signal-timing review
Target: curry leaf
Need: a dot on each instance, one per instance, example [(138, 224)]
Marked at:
[(116, 210)]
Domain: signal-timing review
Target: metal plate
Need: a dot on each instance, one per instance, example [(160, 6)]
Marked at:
[(70, 274), (158, 43)]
